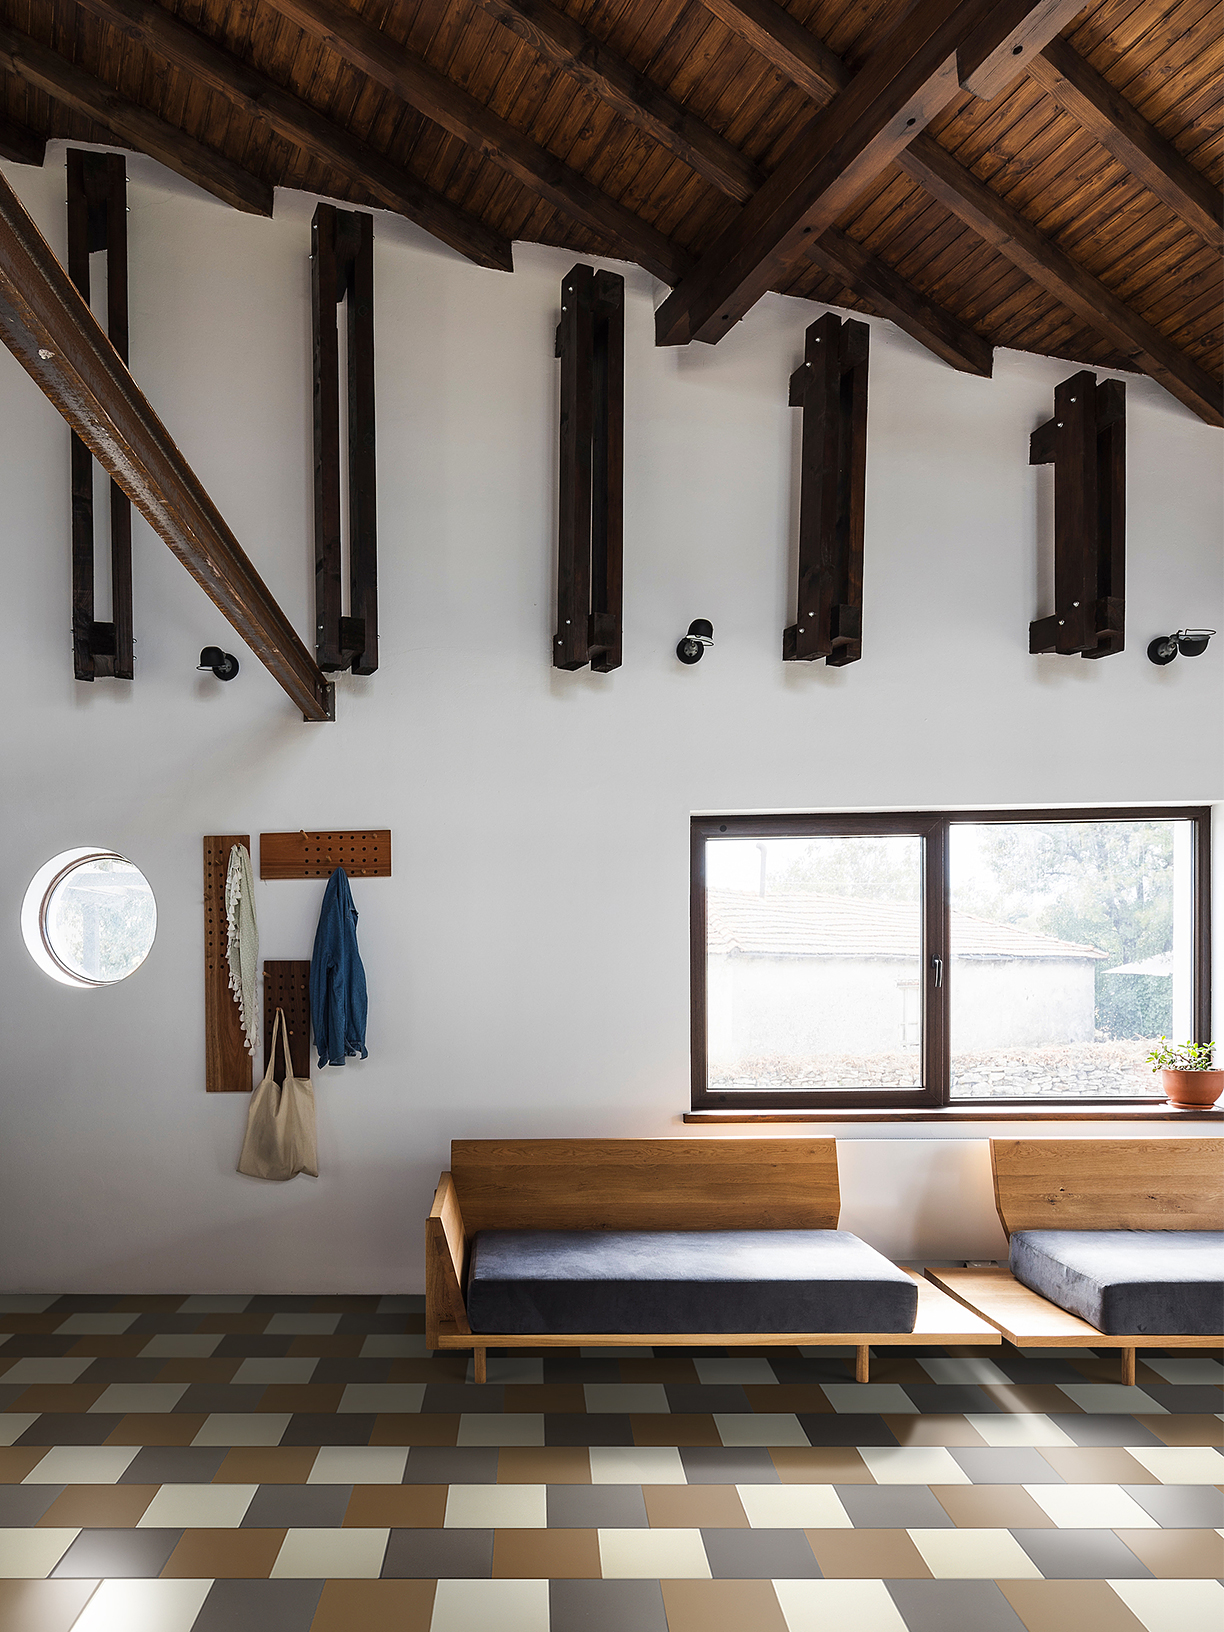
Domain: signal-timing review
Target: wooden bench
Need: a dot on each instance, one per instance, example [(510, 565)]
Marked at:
[(1089, 1184), (647, 1184)]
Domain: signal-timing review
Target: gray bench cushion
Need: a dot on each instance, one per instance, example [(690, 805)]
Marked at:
[(685, 1281), (1163, 1282)]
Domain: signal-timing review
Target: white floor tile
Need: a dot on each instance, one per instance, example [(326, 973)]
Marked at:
[(1174, 1606), (508, 1368), (302, 1325), (144, 1606), (82, 1465), (745, 1370), (636, 1465), (793, 1507), (382, 1397), (92, 1325), (873, 1397), (197, 1507), (759, 1428), (1181, 1464), (396, 1346), (966, 1369), (480, 1606), (492, 1428), (332, 1554), (276, 1369), (14, 1423), (1091, 1507), (124, 1397), (359, 1465), (26, 1303), (1017, 1428), (32, 1554), (47, 1369), (1112, 1397), (974, 1555), (821, 1606), (243, 1428), (913, 1465), (653, 1555), (493, 1507), (1189, 1368), (626, 1397), (181, 1345), (214, 1303)]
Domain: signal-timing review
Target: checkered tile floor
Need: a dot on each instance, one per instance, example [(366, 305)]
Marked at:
[(261, 1464)]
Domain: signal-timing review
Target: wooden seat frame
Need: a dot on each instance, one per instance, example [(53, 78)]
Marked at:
[(1089, 1184), (647, 1184)]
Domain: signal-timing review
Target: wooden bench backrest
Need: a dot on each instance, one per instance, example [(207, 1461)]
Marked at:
[(646, 1184), (1109, 1184)]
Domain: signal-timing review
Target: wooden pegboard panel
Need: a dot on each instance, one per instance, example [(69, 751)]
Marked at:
[(287, 986), (317, 855), (227, 1065)]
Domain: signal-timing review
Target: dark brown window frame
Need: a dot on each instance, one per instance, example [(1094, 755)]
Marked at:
[(933, 829)]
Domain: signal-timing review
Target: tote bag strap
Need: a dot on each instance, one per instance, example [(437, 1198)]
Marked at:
[(283, 1023)]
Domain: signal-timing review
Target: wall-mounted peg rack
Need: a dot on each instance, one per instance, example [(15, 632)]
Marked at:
[(227, 1065), (287, 986), (317, 855)]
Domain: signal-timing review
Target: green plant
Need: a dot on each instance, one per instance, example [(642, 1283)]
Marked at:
[(1167, 1056)]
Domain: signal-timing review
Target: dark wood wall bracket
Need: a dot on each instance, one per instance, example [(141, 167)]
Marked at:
[(97, 224), (1086, 444), (342, 264), (286, 986), (590, 532), (830, 386), (317, 855)]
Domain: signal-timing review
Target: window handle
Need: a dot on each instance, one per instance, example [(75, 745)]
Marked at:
[(937, 965)]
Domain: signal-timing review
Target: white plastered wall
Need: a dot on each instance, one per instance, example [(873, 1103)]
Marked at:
[(528, 962)]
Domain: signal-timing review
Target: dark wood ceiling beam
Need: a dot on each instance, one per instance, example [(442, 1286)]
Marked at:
[(72, 87), (53, 334), (422, 87), (1123, 131), (297, 122), (20, 144)]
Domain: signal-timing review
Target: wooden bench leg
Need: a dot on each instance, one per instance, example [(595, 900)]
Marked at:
[(862, 1363), (482, 1369), (1128, 1368)]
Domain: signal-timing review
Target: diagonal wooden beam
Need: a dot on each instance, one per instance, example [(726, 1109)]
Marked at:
[(20, 144), (422, 87), (817, 71), (71, 86), (296, 121), (57, 340)]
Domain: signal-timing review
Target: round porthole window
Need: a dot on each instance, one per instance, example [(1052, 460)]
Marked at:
[(89, 917)]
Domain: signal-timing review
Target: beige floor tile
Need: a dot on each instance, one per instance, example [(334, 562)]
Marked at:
[(933, 1428), (912, 1465), (144, 1606), (488, 1507), (653, 1555), (313, 1553), (823, 1606), (46, 1369), (43, 1606), (722, 1606), (358, 1465), (1017, 1428), (181, 1345), (974, 1555), (636, 1465), (206, 1507), (1111, 1397), (492, 1428), (379, 1397), (626, 1397), (682, 1507), (13, 1424), (759, 1428), (479, 1606), (882, 1555), (1091, 1507), (33, 1554), (82, 1465), (1181, 1465), (792, 1507), (124, 1397), (245, 1428)]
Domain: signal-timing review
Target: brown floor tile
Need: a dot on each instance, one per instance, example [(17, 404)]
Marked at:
[(450, 1368), (666, 1369), (234, 1323), (407, 1428), (18, 1460), (149, 1303), (59, 1397), (31, 1323), (104, 1507), (375, 1606), (1069, 1606), (43, 1606), (933, 1429), (543, 1465), (396, 1507), (1188, 1429), (111, 1345), (266, 1465), (722, 1606), (820, 1465), (561, 1397), (560, 1555), (867, 1554), (674, 1428), (1041, 1397), (1177, 1554), (157, 1428), (326, 1345), (1097, 1465), (228, 1554), (991, 1507), (807, 1397), (694, 1507), (301, 1397), (346, 1303), (198, 1371)]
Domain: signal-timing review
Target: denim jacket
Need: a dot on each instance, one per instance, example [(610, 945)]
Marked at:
[(337, 978)]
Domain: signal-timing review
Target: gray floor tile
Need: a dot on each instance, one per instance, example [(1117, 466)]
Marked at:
[(845, 1428), (373, 1322), (937, 1606), (728, 1465), (426, 1554), (311, 1507), (695, 1397), (1080, 1555), (128, 1553), (1005, 1465), (10, 1393), (1103, 1428), (282, 1303), (174, 1465), (592, 1507), (451, 1465), (1021, 1370), (460, 1397), (354, 1369), (590, 1428), (947, 1398), (759, 1555), (811, 1371), (1186, 1397), (1181, 1507), (893, 1507), (122, 1369), (220, 1397), (572, 1368), (327, 1428), (21, 1506), (156, 1321), (37, 1345), (84, 1303), (252, 1346), (606, 1606), (71, 1428), (259, 1606)]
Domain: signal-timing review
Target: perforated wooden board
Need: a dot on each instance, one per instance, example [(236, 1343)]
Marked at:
[(287, 986), (317, 855), (227, 1065)]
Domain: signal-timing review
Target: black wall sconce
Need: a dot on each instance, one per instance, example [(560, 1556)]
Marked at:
[(700, 635), (223, 664), (1186, 642)]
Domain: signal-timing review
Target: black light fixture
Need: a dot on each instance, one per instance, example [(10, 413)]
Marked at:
[(223, 664), (1187, 642), (700, 635)]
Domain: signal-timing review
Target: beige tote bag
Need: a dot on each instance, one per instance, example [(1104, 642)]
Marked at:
[(280, 1135)]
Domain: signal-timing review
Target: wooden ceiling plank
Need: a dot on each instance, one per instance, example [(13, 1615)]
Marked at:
[(64, 82), (418, 83), (56, 338), (298, 122), (20, 144), (1011, 34)]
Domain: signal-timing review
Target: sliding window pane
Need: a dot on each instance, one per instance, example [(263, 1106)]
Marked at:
[(1071, 953), (813, 962)]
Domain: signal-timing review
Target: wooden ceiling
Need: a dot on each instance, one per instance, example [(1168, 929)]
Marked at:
[(1076, 214)]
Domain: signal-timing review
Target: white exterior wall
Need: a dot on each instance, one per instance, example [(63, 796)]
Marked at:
[(1024, 1003), (528, 962)]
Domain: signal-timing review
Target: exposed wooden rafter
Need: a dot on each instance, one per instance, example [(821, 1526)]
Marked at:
[(297, 122), (19, 144), (56, 338)]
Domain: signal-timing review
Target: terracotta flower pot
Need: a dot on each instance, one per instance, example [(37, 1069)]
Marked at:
[(1192, 1090)]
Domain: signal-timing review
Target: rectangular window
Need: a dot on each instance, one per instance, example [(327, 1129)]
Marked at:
[(940, 958)]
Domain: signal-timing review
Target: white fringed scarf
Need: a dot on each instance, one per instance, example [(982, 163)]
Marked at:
[(242, 941)]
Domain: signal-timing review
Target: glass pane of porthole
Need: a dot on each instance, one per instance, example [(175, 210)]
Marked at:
[(1072, 952), (100, 919), (813, 962)]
